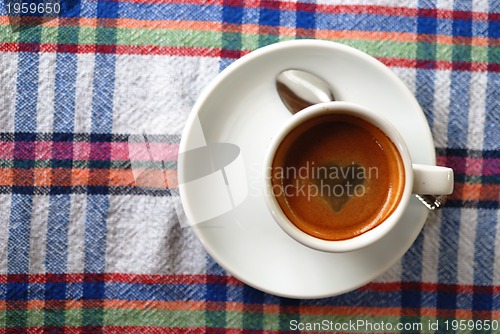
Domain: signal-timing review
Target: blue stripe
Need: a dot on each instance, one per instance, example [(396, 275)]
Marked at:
[(463, 5), (215, 293), (241, 294), (411, 271), (271, 18), (412, 262), (365, 22), (97, 204), (60, 205), (27, 92), (460, 84), (485, 247), (88, 8), (231, 14), (484, 257), (492, 117), (170, 12), (70, 8), (288, 18), (458, 121), (74, 291), (36, 291), (101, 123), (102, 101), (57, 233), (324, 21), (494, 30), (305, 20), (448, 248), (95, 233), (64, 95), (255, 298), (424, 93), (163, 292), (18, 249), (230, 40), (425, 78), (448, 256)]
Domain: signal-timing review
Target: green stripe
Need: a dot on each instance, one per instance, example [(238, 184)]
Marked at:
[(194, 319), (131, 317), (384, 49), (271, 321), (52, 318), (212, 39), (425, 51), (134, 317), (161, 37), (252, 320)]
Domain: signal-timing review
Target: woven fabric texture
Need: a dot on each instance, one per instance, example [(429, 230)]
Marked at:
[(85, 248)]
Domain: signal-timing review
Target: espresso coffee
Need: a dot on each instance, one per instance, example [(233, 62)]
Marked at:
[(337, 176)]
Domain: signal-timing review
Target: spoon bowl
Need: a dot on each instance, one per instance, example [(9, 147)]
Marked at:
[(300, 89)]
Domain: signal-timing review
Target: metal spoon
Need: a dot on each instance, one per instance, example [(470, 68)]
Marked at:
[(300, 89)]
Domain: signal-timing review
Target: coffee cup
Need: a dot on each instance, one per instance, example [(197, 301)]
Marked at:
[(338, 177)]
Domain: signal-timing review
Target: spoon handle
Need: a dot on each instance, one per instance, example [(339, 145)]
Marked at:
[(433, 202)]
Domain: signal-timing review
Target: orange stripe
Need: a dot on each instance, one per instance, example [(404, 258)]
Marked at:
[(368, 35), (169, 25), (457, 40), (46, 177), (490, 192), (481, 192), (471, 191), (147, 178), (42, 177), (476, 192), (6, 176), (189, 305), (80, 176), (271, 309), (120, 177)]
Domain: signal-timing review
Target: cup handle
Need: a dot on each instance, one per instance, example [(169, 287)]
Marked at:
[(432, 180)]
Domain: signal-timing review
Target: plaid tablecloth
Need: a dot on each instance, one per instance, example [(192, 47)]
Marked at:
[(86, 248)]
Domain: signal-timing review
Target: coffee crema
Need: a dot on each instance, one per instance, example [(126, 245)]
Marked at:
[(337, 176)]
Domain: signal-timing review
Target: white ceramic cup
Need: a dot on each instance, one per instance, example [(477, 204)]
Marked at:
[(419, 179)]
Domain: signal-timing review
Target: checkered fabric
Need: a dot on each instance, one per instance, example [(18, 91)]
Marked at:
[(84, 248)]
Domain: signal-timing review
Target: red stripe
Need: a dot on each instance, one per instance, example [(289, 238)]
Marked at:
[(120, 49), (152, 330), (233, 54), (440, 65), (432, 287)]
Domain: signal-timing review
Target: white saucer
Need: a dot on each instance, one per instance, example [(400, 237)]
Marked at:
[(242, 107)]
